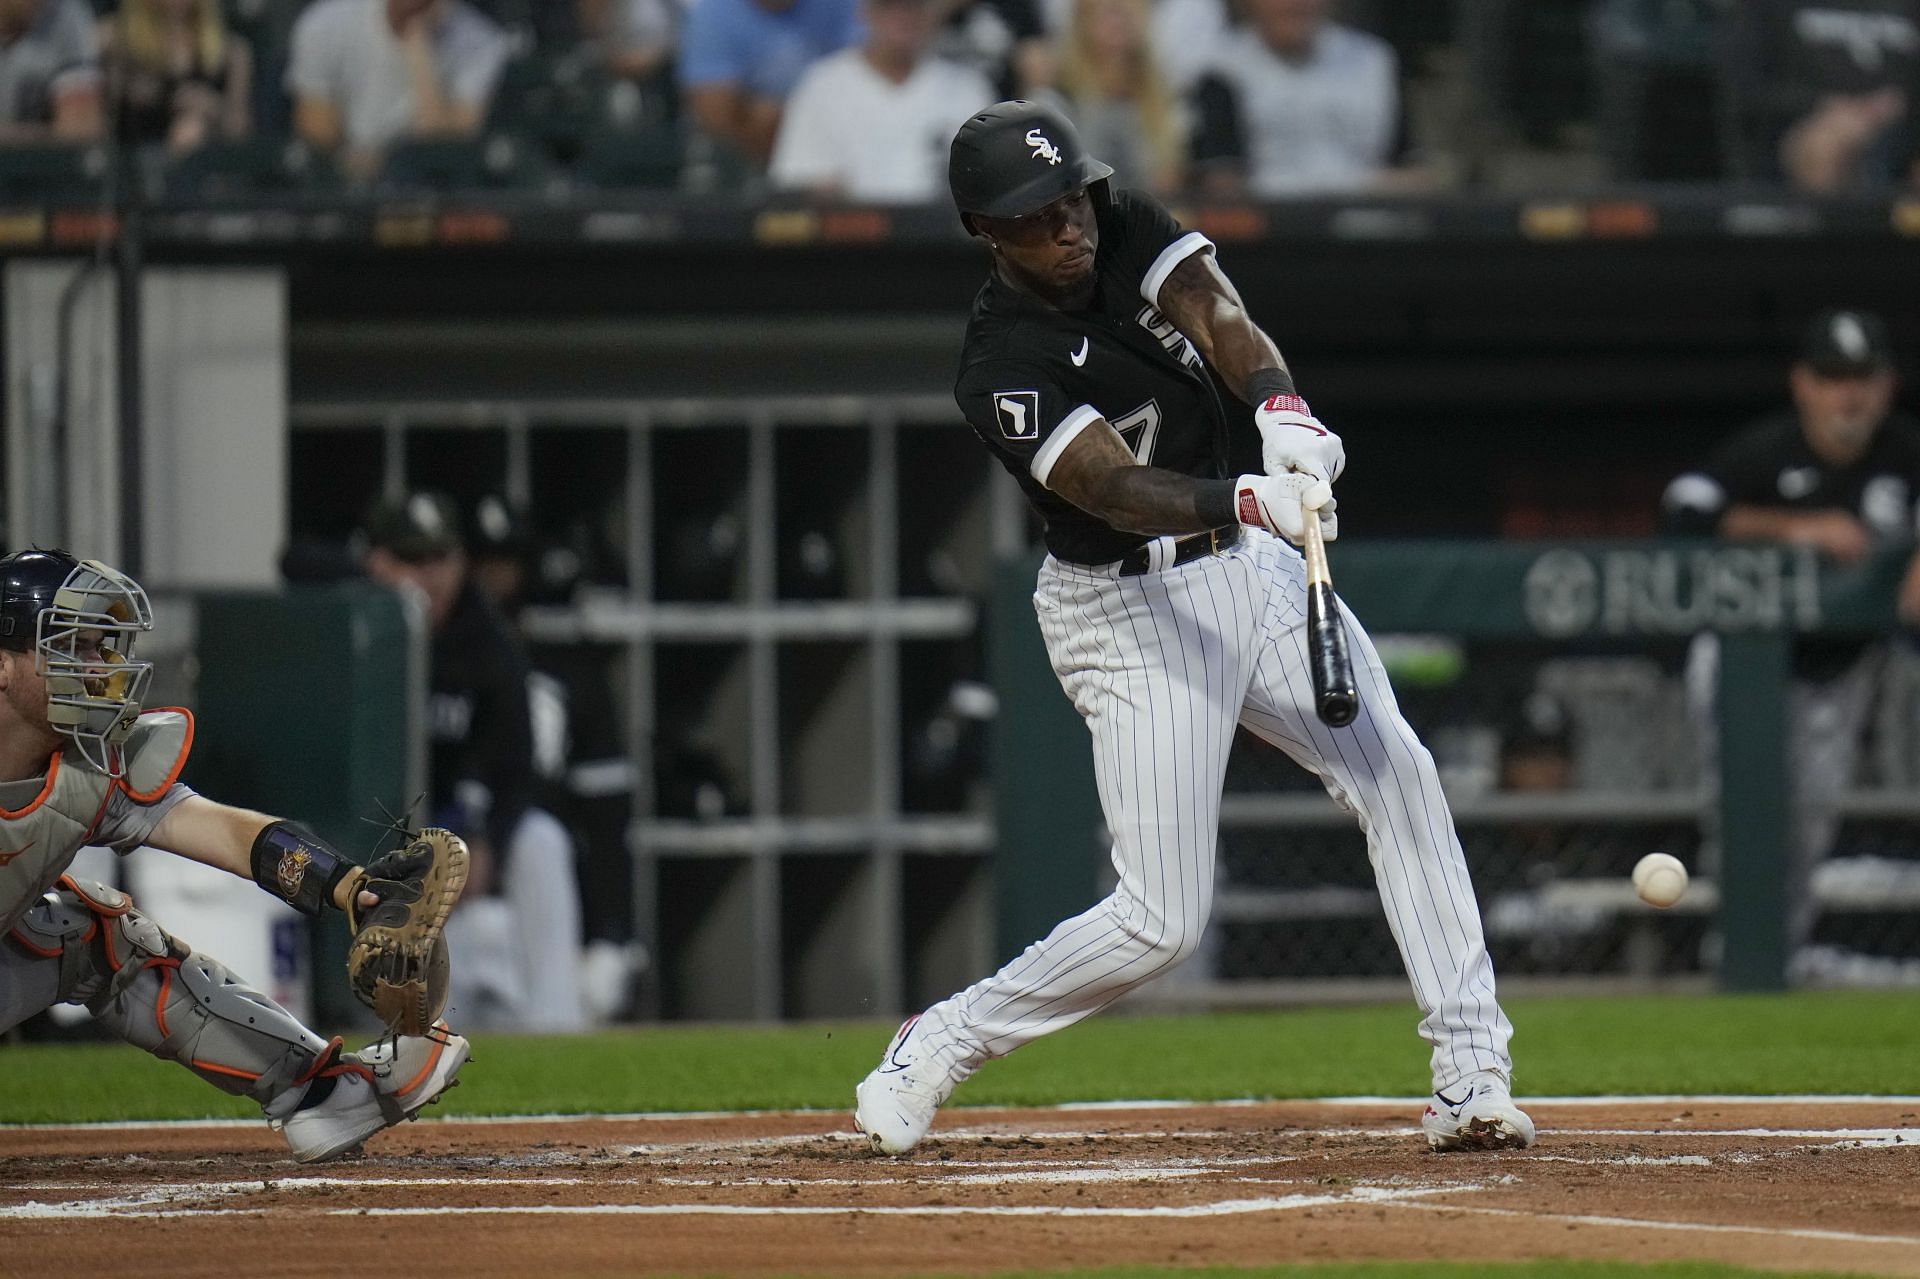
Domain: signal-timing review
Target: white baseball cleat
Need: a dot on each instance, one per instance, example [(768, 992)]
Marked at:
[(894, 1106), (375, 1088), (1477, 1113)]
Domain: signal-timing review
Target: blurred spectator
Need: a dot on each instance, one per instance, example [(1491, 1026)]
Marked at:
[(874, 122), (739, 59), (1294, 104), (517, 928), (49, 72), (1839, 472), (1117, 97), (1827, 89), (585, 775), (365, 74), (178, 77), (635, 40), (1004, 40), (1186, 38)]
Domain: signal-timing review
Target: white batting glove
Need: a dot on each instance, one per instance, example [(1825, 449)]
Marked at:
[(1279, 504), (1292, 439)]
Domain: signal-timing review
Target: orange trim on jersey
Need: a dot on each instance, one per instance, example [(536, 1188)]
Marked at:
[(44, 954), (208, 1066), (421, 1078), (53, 771), (186, 748)]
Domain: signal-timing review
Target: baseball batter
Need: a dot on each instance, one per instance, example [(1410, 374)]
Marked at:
[(1096, 367), (80, 764)]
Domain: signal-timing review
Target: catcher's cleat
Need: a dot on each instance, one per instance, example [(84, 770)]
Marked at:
[(397, 963), (895, 1104), (375, 1088), (1477, 1113)]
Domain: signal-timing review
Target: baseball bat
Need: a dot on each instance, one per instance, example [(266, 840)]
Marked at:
[(1335, 699)]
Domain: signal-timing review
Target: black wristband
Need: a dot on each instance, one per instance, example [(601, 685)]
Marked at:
[(1213, 502), (1264, 384), (298, 867)]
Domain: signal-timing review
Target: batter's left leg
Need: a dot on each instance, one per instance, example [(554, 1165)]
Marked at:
[(1378, 770)]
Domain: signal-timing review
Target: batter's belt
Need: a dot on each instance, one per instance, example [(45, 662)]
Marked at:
[(1190, 547)]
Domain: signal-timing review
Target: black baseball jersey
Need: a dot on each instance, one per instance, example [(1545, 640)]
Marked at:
[(478, 729), (1771, 465), (1033, 377)]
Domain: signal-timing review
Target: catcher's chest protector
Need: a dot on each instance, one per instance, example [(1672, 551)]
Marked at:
[(38, 842)]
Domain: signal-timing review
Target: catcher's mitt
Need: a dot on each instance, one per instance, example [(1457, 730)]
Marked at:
[(397, 964)]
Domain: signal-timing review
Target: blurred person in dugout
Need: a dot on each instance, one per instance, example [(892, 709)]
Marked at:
[(1826, 90), (517, 927), (365, 74), (584, 775), (873, 122), (49, 73), (175, 75), (1112, 87), (740, 59), (1292, 103), (1838, 471)]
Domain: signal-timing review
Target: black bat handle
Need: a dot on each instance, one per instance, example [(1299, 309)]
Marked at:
[(1335, 699)]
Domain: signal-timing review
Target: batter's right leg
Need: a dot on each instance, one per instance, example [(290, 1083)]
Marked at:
[(1157, 666), (84, 943)]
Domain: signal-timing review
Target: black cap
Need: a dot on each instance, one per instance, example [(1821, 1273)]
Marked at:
[(1846, 344), (1016, 158), (420, 526)]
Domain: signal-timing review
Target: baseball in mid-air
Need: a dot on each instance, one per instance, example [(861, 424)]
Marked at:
[(1660, 879)]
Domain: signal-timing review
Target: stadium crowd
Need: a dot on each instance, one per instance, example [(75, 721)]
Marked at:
[(856, 99)]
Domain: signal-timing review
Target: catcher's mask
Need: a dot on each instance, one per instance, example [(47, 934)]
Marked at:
[(1016, 158), (79, 618)]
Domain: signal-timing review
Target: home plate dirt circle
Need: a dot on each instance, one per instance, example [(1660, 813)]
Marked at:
[(1795, 1183)]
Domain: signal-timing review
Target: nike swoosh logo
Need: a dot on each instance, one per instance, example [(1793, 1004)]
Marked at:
[(1452, 1103), (6, 856), (1080, 357)]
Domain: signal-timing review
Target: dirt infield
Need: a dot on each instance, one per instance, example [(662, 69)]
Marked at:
[(1829, 1185)]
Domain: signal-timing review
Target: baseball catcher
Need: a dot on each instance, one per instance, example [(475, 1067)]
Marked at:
[(83, 762)]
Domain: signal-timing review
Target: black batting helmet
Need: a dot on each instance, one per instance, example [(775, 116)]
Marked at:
[(1016, 158), (28, 580)]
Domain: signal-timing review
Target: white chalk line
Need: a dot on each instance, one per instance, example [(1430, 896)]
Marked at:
[(1694, 1227), (673, 1116)]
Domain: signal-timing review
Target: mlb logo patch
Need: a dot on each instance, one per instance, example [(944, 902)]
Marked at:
[(1019, 413)]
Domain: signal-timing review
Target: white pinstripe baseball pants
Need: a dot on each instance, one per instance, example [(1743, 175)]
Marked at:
[(1162, 667)]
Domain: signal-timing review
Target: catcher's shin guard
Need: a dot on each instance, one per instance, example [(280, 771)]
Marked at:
[(154, 992)]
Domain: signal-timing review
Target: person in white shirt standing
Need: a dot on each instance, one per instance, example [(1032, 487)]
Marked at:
[(872, 122), (1295, 104)]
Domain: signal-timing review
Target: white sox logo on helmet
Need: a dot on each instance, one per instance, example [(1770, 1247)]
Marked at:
[(1043, 148)]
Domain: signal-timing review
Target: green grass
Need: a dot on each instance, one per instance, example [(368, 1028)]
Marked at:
[(1865, 1042)]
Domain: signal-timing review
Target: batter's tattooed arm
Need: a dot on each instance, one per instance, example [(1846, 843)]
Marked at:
[(1203, 304), (1099, 474)]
